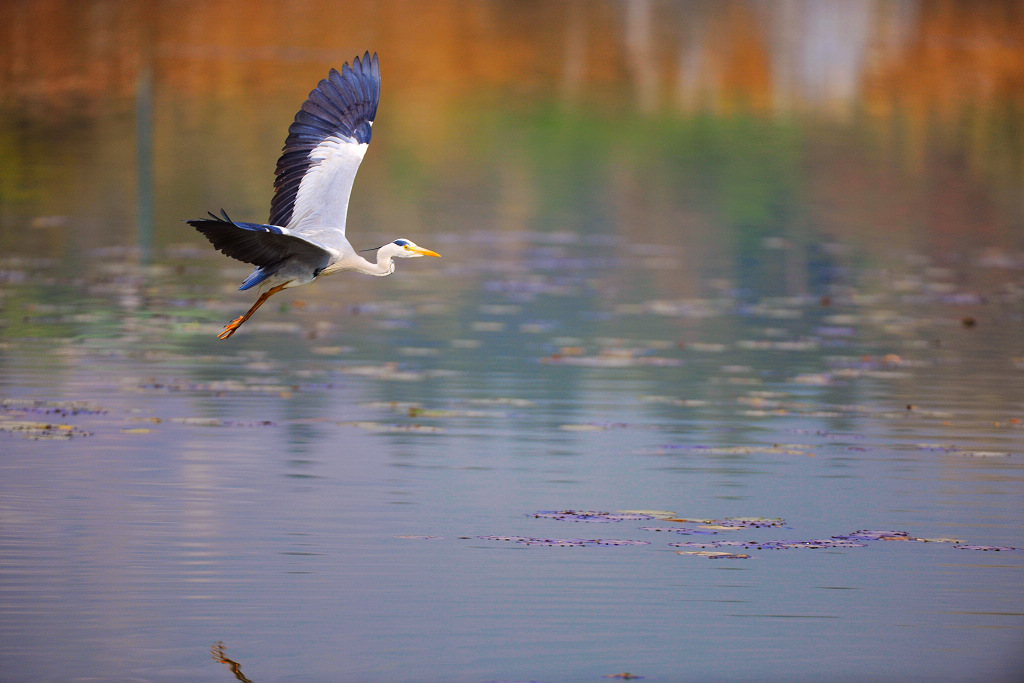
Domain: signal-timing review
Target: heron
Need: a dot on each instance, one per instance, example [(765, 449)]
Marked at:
[(305, 236)]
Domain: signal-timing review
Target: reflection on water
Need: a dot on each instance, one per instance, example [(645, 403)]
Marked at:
[(704, 262), (217, 651)]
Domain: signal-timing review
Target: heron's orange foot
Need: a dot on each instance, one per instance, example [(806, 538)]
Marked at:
[(230, 328)]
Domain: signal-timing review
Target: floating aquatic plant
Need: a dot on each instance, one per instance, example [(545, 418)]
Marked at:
[(564, 542), (610, 357), (697, 544), (812, 544), (774, 449), (41, 430), (707, 526), (590, 516), (953, 450), (439, 413), (752, 522), (714, 555), (392, 428), (659, 514), (218, 387), (418, 537), (386, 371), (397, 406), (592, 427), (726, 523), (719, 549), (217, 422), (884, 535), (51, 407), (686, 530), (673, 401), (608, 541), (504, 401)]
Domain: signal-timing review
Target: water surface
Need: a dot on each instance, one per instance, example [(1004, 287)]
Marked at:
[(679, 276)]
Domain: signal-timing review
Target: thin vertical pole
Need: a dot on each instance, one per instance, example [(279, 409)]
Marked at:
[(144, 162)]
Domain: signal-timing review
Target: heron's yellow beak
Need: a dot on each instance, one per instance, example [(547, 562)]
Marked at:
[(424, 252)]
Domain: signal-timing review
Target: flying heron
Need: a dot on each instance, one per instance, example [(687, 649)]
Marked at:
[(305, 237)]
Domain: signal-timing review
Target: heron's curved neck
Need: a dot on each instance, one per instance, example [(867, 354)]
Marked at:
[(384, 266), (353, 261)]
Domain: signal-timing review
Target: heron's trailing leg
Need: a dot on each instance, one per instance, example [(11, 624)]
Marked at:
[(230, 328)]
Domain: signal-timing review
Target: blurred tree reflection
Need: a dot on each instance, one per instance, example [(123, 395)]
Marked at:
[(740, 130)]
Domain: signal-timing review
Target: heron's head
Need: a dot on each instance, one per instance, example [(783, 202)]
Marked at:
[(403, 248)]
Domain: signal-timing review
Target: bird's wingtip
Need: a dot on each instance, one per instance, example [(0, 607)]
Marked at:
[(367, 64)]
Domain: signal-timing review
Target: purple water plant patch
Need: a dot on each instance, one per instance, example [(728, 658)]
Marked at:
[(589, 516)]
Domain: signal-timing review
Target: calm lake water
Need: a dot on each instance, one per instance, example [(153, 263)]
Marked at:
[(720, 376)]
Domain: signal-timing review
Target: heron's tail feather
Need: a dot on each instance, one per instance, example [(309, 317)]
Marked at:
[(257, 276)]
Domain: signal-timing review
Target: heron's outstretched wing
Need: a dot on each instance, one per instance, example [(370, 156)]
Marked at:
[(325, 145), (261, 245)]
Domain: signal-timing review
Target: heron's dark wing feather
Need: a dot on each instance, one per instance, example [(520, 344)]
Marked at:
[(324, 147), (260, 245)]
